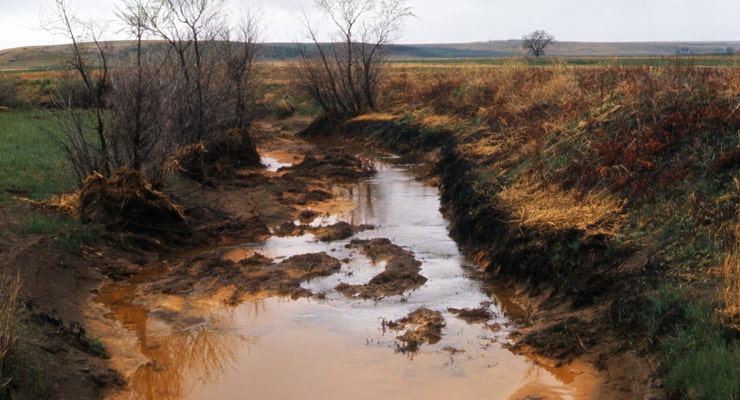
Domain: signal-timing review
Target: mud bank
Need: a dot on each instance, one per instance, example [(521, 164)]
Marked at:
[(570, 282)]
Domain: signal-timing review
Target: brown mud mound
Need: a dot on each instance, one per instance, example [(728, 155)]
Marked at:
[(209, 273), (298, 193), (401, 271), (422, 326), (336, 166), (340, 230), (127, 202), (472, 315)]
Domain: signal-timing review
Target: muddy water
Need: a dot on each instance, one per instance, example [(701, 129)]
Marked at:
[(335, 347)]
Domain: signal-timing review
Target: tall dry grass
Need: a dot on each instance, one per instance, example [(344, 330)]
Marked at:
[(574, 147), (731, 273), (9, 316), (547, 209)]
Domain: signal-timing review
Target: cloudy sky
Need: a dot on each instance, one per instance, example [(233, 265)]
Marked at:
[(448, 21)]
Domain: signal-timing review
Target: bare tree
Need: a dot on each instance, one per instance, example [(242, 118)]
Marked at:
[(138, 97), (87, 156), (345, 75), (237, 52), (195, 86), (536, 42), (189, 26)]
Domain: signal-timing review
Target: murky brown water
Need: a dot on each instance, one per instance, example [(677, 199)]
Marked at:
[(334, 348)]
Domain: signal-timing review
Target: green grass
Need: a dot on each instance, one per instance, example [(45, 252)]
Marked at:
[(43, 224), (701, 357), (70, 235), (73, 240), (30, 163)]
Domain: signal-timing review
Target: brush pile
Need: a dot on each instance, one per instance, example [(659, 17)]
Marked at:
[(127, 202)]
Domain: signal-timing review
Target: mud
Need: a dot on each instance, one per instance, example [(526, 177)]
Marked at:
[(335, 166), (400, 275), (209, 324), (472, 315), (420, 326), (210, 273), (338, 231), (126, 202)]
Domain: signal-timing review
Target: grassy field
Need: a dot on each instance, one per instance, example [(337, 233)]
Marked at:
[(31, 164)]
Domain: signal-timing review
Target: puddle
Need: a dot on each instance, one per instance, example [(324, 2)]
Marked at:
[(336, 347)]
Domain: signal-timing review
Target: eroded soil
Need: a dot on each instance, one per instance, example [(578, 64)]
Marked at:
[(251, 205)]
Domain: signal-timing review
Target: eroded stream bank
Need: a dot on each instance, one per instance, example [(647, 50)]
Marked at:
[(206, 337)]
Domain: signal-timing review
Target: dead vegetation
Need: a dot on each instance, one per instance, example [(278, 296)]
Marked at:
[(126, 202), (9, 319), (731, 272), (544, 208)]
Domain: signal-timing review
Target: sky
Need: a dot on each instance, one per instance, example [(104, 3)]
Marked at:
[(443, 21)]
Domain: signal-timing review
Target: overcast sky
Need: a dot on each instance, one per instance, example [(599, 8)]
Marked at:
[(449, 21)]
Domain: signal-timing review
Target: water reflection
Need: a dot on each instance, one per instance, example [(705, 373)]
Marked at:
[(187, 343), (183, 360)]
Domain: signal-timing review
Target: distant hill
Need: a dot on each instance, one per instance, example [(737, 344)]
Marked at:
[(54, 57)]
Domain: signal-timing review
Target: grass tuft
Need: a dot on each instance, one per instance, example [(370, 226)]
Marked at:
[(69, 234), (702, 359)]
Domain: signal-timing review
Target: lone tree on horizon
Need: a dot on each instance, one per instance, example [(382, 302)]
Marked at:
[(536, 42)]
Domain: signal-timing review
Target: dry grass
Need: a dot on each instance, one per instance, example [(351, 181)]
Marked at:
[(538, 207), (9, 308), (731, 272), (376, 117)]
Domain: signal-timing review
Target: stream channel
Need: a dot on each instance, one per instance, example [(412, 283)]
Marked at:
[(335, 347)]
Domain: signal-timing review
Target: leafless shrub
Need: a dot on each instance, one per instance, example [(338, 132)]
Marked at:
[(346, 74), (196, 87), (84, 135)]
